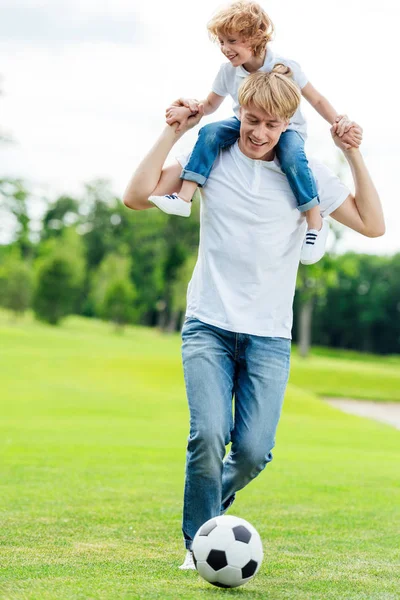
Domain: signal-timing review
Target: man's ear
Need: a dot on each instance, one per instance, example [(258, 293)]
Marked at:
[(286, 125), (240, 113)]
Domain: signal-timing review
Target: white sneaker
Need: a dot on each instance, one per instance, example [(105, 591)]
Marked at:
[(313, 247), (172, 205), (188, 563)]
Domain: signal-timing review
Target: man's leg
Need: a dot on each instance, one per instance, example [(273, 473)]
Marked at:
[(208, 363), (259, 392)]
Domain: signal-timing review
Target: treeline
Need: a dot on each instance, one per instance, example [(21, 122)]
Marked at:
[(361, 310), (92, 256)]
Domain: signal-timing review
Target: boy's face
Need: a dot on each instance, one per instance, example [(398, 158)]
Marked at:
[(236, 49), (259, 132)]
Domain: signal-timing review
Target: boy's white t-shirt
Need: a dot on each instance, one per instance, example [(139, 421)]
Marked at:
[(251, 233), (229, 79)]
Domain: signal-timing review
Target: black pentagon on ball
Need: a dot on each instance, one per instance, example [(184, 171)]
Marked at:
[(218, 584), (242, 534), (249, 569), (208, 527), (217, 559)]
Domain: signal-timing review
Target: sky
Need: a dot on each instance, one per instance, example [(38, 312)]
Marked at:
[(85, 85)]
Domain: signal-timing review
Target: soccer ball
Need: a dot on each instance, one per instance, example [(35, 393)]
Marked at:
[(227, 551)]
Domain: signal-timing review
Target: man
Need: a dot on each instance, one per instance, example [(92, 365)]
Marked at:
[(236, 337)]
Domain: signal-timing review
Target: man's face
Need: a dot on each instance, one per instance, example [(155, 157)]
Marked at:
[(259, 132)]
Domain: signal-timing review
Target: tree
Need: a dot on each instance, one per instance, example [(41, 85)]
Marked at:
[(118, 303), (60, 278), (312, 283), (61, 214), (112, 291), (14, 203), (181, 237), (16, 283), (178, 291), (362, 311)]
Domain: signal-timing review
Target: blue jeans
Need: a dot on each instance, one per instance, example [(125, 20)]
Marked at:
[(219, 366), (290, 152)]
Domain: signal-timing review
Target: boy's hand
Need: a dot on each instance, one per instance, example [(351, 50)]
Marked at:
[(351, 139), (190, 103), (342, 124), (177, 114), (190, 121)]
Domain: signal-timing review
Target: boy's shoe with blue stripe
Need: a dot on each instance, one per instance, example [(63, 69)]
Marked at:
[(314, 244), (172, 205)]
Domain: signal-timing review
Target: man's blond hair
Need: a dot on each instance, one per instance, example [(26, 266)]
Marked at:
[(274, 92), (245, 19)]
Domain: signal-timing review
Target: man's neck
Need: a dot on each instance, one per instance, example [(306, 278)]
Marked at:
[(255, 63)]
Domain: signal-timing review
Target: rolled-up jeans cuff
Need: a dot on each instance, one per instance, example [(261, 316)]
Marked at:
[(304, 207), (190, 176)]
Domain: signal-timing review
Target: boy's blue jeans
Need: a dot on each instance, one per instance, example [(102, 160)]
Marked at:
[(220, 365), (290, 153)]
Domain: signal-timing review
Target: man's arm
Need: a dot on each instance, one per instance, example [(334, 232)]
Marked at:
[(363, 211), (151, 177)]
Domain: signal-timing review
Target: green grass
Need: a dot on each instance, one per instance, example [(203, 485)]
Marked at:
[(342, 373), (92, 447)]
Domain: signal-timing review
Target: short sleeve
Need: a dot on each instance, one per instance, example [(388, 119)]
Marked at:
[(331, 191), (298, 74), (219, 86)]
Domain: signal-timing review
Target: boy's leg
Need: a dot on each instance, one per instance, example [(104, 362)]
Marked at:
[(294, 163), (259, 392), (207, 354), (211, 139)]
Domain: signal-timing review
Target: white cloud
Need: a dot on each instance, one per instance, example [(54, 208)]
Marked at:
[(54, 23)]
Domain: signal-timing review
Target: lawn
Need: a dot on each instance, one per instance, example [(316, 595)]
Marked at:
[(92, 438)]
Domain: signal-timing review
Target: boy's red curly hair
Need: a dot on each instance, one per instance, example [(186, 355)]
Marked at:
[(245, 19)]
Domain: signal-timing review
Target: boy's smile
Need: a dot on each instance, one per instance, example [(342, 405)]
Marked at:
[(239, 52)]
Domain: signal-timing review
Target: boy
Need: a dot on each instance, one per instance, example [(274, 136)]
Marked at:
[(243, 31)]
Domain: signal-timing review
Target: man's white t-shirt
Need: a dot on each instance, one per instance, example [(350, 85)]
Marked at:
[(251, 233), (229, 79)]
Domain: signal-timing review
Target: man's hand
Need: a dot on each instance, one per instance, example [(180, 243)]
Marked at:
[(353, 137), (350, 139), (190, 121)]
